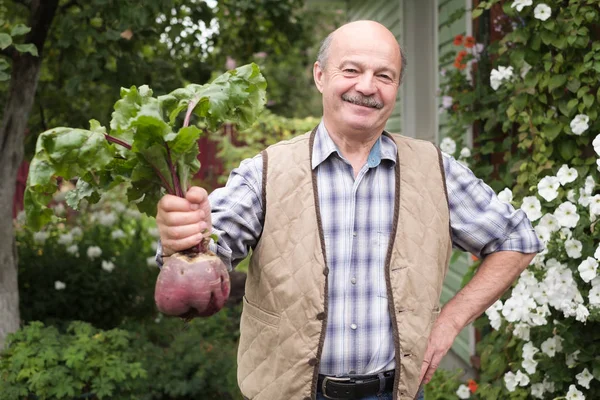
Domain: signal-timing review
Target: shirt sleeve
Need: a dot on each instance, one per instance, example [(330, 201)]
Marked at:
[(237, 212), (480, 223)]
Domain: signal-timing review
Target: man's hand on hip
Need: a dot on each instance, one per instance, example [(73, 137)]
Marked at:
[(442, 336), (183, 222)]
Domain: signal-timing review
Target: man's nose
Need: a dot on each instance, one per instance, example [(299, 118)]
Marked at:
[(366, 84)]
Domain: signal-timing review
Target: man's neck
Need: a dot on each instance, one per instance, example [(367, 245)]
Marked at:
[(354, 147)]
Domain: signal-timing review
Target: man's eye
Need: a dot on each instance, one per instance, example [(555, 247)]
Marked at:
[(350, 71), (384, 76)]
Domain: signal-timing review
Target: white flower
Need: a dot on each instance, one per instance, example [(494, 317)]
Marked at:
[(589, 185), (532, 207), (58, 285), (529, 350), (579, 124), (548, 187), (597, 253), (574, 394), (447, 102), (93, 252), (587, 269), (448, 146), (154, 232), (542, 12), (595, 204), (117, 234), (465, 152), (520, 4), (59, 209), (107, 266), (529, 365), (566, 214), (537, 390), (525, 69), (77, 232), (549, 347), (510, 381), (596, 144), (505, 196), (584, 378), (549, 222), (499, 75), (571, 195), (573, 248), (581, 313), (151, 261), (40, 237), (584, 198), (572, 358), (106, 218), (463, 392), (594, 296), (73, 249), (522, 331), (566, 175), (543, 233), (522, 378)]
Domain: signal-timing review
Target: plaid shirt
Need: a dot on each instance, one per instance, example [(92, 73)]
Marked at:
[(357, 221)]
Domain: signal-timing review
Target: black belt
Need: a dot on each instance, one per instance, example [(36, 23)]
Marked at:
[(355, 387)]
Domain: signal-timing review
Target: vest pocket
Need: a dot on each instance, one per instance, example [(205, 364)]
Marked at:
[(257, 358), (263, 316)]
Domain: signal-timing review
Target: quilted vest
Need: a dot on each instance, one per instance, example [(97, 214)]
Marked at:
[(285, 307)]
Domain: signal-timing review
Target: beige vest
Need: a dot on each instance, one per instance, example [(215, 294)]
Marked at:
[(285, 307)]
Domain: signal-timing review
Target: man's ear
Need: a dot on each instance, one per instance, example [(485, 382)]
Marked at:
[(318, 75)]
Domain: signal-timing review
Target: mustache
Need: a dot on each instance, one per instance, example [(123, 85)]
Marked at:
[(366, 101)]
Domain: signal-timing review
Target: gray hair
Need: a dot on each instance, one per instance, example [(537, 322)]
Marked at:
[(323, 54)]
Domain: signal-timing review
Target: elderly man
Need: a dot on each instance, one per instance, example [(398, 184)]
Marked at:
[(351, 230)]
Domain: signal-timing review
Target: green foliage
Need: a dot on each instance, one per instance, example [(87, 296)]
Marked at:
[(103, 289), (196, 360), (156, 359), (267, 130), (536, 123), (443, 385), (156, 154), (82, 362)]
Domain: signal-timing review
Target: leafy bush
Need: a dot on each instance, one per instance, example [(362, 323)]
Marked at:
[(96, 266), (535, 99), (268, 129), (82, 363), (196, 360)]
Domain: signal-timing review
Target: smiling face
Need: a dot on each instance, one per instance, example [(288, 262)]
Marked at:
[(360, 79)]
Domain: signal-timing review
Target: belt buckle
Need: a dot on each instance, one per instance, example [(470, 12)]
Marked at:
[(335, 379)]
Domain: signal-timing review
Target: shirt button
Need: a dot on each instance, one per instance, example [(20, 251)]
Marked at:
[(353, 280), (353, 326), (354, 233), (326, 271), (321, 316), (312, 362)]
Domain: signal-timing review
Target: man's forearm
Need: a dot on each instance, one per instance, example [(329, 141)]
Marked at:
[(497, 272)]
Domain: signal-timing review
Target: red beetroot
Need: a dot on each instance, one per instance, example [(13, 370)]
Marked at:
[(192, 285)]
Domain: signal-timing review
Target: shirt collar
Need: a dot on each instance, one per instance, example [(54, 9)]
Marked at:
[(383, 149)]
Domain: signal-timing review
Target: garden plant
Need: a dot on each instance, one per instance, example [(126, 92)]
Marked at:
[(533, 98)]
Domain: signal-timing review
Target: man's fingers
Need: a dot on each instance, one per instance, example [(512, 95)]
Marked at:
[(178, 232), (170, 203), (178, 218), (182, 244), (196, 195)]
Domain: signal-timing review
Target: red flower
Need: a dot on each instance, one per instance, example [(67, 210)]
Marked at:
[(472, 385), (469, 42), (458, 62), (458, 40)]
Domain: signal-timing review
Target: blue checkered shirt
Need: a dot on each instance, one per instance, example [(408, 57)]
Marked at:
[(357, 221)]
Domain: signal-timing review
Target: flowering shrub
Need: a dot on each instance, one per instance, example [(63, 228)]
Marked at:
[(535, 102), (95, 266)]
